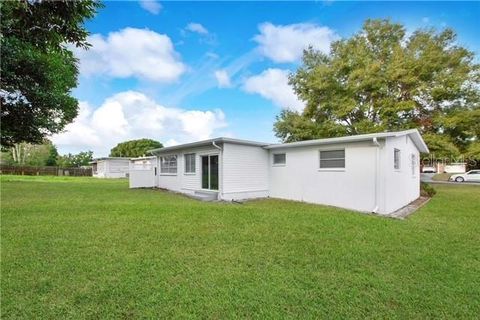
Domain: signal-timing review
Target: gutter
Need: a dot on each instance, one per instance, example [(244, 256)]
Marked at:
[(377, 161)]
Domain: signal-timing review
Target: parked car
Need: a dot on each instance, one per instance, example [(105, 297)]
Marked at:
[(429, 170), (470, 176)]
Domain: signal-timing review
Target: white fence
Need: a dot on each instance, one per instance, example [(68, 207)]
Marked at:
[(142, 175)]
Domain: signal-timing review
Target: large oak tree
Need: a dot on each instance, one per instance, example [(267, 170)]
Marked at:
[(38, 71), (134, 148), (383, 79)]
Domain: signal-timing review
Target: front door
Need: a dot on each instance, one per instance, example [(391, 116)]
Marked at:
[(210, 172)]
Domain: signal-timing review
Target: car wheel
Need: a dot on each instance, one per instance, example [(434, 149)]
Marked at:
[(459, 179)]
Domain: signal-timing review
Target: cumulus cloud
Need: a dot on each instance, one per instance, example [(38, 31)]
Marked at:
[(197, 28), (133, 115), (272, 84), (285, 43), (151, 6), (131, 52), (223, 79)]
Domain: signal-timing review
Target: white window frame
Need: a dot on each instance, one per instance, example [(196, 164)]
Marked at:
[(414, 164), (193, 160), (168, 169), (280, 164), (397, 163), (320, 168)]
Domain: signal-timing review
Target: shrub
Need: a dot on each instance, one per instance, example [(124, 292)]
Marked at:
[(427, 190)]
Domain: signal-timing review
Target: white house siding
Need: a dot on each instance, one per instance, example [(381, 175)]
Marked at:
[(117, 168), (186, 182), (112, 168), (101, 169), (301, 179), (401, 186), (245, 172)]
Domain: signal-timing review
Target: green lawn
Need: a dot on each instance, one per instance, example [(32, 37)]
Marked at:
[(85, 248)]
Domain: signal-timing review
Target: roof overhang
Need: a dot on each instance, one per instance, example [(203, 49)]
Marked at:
[(208, 142), (413, 134), (108, 158)]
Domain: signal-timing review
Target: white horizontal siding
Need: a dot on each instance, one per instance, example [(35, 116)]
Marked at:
[(300, 178), (245, 170), (185, 182)]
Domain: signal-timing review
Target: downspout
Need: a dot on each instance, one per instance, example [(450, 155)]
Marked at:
[(220, 164), (377, 155)]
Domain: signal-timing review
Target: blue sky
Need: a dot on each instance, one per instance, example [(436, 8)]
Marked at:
[(184, 71)]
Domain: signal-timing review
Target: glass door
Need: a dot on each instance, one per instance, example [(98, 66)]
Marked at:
[(210, 172)]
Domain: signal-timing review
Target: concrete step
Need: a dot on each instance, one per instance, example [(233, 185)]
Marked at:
[(205, 196)]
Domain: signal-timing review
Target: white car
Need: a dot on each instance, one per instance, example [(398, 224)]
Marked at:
[(428, 170), (470, 176)]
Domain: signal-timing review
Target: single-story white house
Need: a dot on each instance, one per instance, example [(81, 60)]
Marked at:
[(377, 172), (110, 167)]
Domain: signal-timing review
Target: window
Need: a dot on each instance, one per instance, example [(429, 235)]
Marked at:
[(332, 159), (189, 162), (396, 159), (279, 159), (168, 164), (413, 159)]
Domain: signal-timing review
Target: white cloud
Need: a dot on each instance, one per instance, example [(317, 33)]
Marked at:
[(131, 52), (132, 115), (196, 27), (285, 43), (151, 6), (223, 79), (425, 19), (272, 84)]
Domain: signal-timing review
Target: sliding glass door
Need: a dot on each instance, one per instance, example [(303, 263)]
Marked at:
[(210, 172)]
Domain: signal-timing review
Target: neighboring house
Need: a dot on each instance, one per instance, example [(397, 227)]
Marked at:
[(377, 172), (110, 167)]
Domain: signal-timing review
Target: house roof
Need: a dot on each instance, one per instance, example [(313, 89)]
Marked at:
[(108, 158), (208, 142), (413, 134), (143, 158)]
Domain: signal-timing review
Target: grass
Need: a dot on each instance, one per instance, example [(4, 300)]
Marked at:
[(442, 176), (84, 248)]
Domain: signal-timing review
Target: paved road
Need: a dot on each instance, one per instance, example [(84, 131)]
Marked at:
[(427, 177)]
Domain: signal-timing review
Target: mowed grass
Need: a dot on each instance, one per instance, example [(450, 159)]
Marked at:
[(85, 248)]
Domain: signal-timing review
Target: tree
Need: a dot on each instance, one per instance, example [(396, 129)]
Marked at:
[(75, 160), (38, 71), (134, 148), (33, 154), (381, 80)]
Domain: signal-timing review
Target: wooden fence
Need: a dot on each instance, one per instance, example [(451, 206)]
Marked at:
[(45, 171)]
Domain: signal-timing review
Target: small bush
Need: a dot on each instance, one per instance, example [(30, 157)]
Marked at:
[(427, 190)]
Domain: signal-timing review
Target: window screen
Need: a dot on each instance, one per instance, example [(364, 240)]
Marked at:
[(190, 163), (396, 159), (332, 159), (280, 158), (413, 159), (168, 164)]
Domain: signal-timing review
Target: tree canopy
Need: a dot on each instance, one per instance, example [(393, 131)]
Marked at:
[(75, 160), (44, 154), (380, 79), (134, 148), (38, 70)]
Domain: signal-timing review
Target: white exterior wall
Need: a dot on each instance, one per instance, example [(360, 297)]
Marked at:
[(112, 168), (245, 172), (301, 178), (186, 182), (400, 186)]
